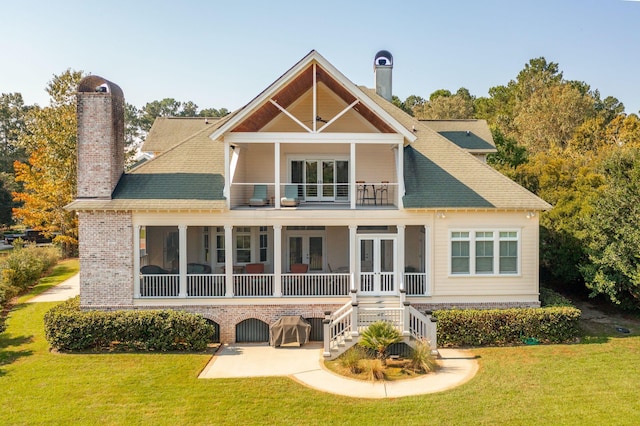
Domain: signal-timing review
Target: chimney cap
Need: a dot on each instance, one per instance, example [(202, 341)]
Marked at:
[(383, 58)]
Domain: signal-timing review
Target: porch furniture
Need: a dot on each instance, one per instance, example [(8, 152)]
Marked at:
[(254, 268), (362, 191), (290, 198), (299, 268), (289, 329), (383, 192), (259, 197), (198, 268), (153, 270)]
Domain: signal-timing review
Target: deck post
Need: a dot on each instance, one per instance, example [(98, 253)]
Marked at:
[(182, 261), (326, 329), (228, 260), (354, 319), (406, 326), (277, 260)]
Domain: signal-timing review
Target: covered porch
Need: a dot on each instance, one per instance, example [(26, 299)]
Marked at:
[(195, 262)]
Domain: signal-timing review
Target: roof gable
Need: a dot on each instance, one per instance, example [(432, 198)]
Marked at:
[(312, 71)]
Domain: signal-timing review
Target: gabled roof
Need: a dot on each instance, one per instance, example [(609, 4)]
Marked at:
[(296, 81), (439, 174), (470, 134), (167, 131)]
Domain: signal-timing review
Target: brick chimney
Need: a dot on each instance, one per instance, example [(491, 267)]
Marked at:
[(100, 137), (382, 68)]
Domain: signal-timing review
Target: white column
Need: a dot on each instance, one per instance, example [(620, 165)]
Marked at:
[(352, 175), (277, 260), (276, 150), (136, 262), (400, 173), (428, 261), (353, 255), (228, 260), (227, 174), (182, 238), (400, 261)]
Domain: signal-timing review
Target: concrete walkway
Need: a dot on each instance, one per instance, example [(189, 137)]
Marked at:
[(304, 364), (63, 291)]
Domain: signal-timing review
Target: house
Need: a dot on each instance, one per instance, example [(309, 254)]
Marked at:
[(318, 198)]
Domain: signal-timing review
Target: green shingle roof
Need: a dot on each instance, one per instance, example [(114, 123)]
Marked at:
[(468, 140), (170, 186)]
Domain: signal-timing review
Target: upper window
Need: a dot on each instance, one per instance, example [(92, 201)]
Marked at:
[(474, 252)]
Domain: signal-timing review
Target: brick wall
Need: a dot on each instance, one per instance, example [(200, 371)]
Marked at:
[(106, 259), (100, 143)]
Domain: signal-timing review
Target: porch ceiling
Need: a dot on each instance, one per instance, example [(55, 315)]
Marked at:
[(295, 89)]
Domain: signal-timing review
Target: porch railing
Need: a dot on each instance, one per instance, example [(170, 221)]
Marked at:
[(253, 285), (315, 284), (367, 316), (159, 285), (416, 284), (206, 285)]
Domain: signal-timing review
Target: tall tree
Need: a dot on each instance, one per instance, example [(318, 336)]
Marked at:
[(49, 176), (12, 115)]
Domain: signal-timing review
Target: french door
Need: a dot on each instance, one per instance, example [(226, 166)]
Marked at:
[(376, 268), (323, 179), (308, 249)]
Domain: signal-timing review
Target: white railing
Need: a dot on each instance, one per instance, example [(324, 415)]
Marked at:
[(367, 316), (421, 327), (315, 284), (366, 281), (416, 284), (159, 285), (206, 285), (253, 285), (387, 281), (340, 327)]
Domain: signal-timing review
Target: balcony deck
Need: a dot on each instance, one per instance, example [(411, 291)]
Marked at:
[(318, 205)]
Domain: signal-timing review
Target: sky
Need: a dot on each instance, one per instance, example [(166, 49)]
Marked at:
[(222, 54)]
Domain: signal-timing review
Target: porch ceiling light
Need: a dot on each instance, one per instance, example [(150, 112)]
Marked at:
[(441, 215)]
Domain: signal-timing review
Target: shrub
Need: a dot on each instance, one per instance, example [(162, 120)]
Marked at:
[(25, 264), (549, 297), (378, 337), (473, 327), (422, 361), (351, 359), (373, 368), (67, 328)]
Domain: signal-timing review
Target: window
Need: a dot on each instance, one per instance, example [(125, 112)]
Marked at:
[(508, 252), (264, 244), (243, 245), (474, 252), (484, 252), (220, 254), (459, 252)]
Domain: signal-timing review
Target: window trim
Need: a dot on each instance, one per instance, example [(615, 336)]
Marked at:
[(497, 239)]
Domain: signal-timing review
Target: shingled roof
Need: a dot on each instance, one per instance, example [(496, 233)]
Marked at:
[(441, 174)]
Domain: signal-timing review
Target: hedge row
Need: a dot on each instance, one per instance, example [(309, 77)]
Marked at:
[(67, 328), (475, 327)]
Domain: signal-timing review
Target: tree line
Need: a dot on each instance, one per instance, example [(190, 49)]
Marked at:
[(559, 138)]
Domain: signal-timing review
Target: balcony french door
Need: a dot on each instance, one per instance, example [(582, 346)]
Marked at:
[(323, 179), (377, 271), (307, 249)]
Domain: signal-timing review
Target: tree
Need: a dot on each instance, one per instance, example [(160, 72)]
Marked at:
[(12, 115), (49, 176), (613, 232), (442, 105)]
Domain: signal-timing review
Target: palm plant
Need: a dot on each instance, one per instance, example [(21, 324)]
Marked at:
[(378, 337)]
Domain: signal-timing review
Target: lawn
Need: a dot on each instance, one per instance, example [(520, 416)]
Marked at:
[(581, 384)]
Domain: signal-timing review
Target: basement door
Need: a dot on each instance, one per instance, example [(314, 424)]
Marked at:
[(376, 269)]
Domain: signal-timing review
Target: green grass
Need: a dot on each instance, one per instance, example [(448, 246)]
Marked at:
[(63, 270), (581, 384)]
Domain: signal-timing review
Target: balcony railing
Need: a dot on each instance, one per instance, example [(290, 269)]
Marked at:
[(262, 285), (315, 284)]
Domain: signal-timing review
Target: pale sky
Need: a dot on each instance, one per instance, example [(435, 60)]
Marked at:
[(223, 53)]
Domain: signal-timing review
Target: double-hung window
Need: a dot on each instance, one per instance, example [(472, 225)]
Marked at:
[(485, 252), (460, 253), (243, 244)]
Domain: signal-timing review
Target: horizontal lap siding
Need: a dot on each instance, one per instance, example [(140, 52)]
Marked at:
[(525, 284)]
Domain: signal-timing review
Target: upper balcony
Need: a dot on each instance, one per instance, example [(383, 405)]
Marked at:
[(314, 175)]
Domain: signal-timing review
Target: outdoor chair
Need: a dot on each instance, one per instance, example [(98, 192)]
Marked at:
[(259, 197), (198, 268), (299, 268), (152, 270), (383, 192), (254, 268), (290, 198)]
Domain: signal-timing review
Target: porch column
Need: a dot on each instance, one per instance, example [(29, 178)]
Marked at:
[(400, 262), (277, 260), (352, 176), (427, 260), (400, 173), (227, 174), (228, 260), (182, 239), (276, 151), (136, 262), (353, 260)]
